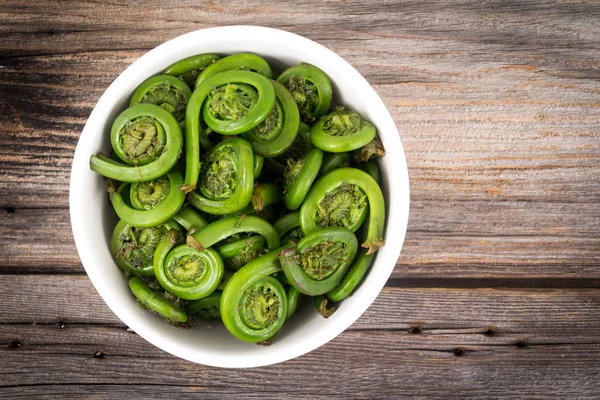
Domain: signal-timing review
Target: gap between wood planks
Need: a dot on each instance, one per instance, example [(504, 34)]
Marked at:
[(407, 283)]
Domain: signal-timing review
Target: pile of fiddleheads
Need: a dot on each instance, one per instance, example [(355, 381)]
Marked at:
[(240, 198)]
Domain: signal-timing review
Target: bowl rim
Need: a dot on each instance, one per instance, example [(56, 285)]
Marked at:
[(397, 220)]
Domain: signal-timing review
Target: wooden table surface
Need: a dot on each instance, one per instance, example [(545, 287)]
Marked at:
[(497, 290)]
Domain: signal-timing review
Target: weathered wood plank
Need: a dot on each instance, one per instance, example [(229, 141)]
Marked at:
[(498, 106), (38, 239), (533, 315), (518, 100), (552, 240), (368, 365), (437, 342), (515, 135)]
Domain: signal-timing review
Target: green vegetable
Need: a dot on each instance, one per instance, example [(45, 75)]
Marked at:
[(300, 147), (227, 178), (195, 236), (333, 161), (150, 211), (320, 260), (133, 248), (299, 176), (371, 168), (265, 194), (373, 149), (353, 277), (293, 295), (226, 227), (254, 116), (207, 308), (288, 227), (276, 134), (185, 272), (147, 138), (331, 202), (165, 91), (258, 165), (229, 104), (238, 253), (189, 218), (311, 90), (254, 303), (323, 307), (342, 131), (156, 303), (240, 61), (188, 69)]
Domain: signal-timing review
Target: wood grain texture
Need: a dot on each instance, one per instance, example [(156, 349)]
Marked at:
[(416, 350), (535, 314), (498, 108), (439, 244)]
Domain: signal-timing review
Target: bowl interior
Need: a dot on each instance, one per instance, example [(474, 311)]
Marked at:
[(93, 219)]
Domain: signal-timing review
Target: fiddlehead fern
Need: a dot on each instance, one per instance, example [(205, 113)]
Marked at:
[(342, 131), (360, 266), (293, 295), (320, 256), (258, 113), (288, 227), (229, 226), (227, 104), (311, 89), (258, 165), (276, 134), (151, 211), (240, 61), (148, 195), (323, 307), (298, 177), (268, 213), (156, 303), (265, 194), (330, 186), (133, 248), (165, 91), (254, 303), (345, 205), (188, 69), (333, 161), (238, 253), (373, 149), (148, 139), (355, 274), (371, 168), (227, 178), (190, 219), (320, 260), (185, 272), (207, 308), (226, 277), (300, 148)]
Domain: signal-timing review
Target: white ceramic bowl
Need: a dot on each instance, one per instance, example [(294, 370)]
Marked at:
[(93, 219)]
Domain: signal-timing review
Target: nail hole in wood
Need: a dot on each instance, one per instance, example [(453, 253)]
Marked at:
[(51, 32), (491, 331), (62, 325), (98, 354), (10, 210), (14, 344), (521, 344), (415, 330), (458, 352)]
